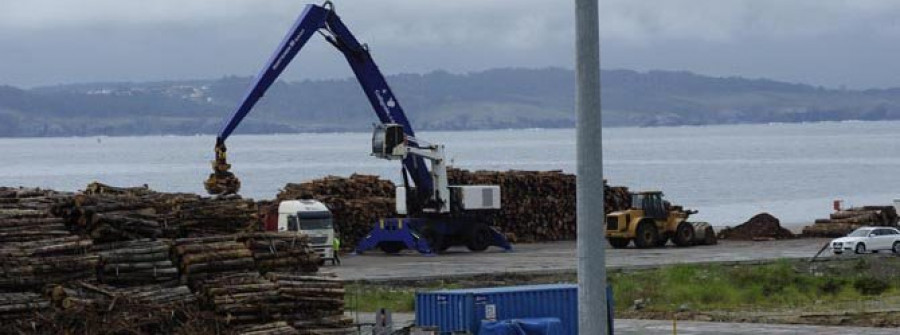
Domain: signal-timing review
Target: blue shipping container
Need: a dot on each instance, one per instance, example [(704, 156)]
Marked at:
[(463, 310)]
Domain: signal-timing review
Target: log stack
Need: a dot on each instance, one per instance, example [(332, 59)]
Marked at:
[(356, 202), (241, 298), (108, 213), (21, 305), (204, 216), (85, 308), (841, 223), (271, 328), (134, 263), (281, 251), (31, 265), (25, 214), (314, 304), (537, 205), (207, 258)]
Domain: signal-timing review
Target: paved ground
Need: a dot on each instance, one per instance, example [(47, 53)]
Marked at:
[(559, 256), (659, 327)]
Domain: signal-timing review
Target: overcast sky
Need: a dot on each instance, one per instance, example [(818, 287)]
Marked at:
[(855, 43)]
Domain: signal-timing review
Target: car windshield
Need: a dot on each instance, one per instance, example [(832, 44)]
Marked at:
[(860, 233)]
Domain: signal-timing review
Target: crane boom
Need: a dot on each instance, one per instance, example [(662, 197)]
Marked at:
[(324, 20)]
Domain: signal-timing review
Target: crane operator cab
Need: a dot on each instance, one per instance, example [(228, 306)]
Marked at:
[(311, 218)]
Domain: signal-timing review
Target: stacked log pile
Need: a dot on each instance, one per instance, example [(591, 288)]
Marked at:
[(108, 213), (33, 264), (843, 222), (761, 227), (138, 262), (207, 258), (281, 251), (271, 328), (241, 298), (21, 305), (313, 304), (356, 202), (84, 308), (25, 214)]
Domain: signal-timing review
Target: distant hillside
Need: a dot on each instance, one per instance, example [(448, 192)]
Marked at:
[(502, 98)]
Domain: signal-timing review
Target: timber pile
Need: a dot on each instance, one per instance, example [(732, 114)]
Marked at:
[(138, 262), (241, 298), (281, 251), (25, 214), (205, 258), (21, 305), (83, 294), (761, 227), (108, 213), (31, 265), (356, 202), (314, 304), (98, 309), (271, 328), (537, 205), (843, 222)]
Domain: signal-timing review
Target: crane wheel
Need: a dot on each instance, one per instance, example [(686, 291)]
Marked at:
[(619, 243), (391, 247), (479, 238), (684, 235), (647, 235)]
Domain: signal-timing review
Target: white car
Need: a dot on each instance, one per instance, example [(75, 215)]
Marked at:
[(867, 239)]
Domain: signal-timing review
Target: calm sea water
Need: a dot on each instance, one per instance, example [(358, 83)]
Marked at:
[(728, 173)]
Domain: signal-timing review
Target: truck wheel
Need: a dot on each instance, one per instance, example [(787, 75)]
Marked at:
[(391, 247), (684, 235), (619, 243), (479, 239), (647, 235)]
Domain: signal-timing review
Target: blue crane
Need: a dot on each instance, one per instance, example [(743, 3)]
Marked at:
[(439, 215)]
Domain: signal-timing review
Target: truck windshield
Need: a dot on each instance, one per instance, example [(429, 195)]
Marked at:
[(315, 220), (315, 224)]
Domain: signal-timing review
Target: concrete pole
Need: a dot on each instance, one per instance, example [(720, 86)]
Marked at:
[(592, 311)]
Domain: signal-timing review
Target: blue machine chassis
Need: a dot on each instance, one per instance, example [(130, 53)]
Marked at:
[(410, 232)]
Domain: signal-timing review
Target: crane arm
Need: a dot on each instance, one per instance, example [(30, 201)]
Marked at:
[(324, 20)]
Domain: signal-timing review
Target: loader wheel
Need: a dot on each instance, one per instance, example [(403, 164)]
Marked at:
[(619, 243), (647, 235), (391, 247), (710, 237), (663, 239), (684, 235), (479, 239)]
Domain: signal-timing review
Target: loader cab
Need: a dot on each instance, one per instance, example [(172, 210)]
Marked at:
[(651, 202), (311, 218)]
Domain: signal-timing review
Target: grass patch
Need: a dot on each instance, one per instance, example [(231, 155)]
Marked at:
[(718, 287), (776, 286)]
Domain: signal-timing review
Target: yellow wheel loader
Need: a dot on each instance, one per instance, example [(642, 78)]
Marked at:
[(652, 222)]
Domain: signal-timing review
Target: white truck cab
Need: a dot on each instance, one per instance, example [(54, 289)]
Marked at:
[(312, 218)]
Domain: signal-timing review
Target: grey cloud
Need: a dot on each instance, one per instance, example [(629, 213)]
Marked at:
[(47, 41)]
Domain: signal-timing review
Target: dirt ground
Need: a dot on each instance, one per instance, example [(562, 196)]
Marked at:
[(558, 257)]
